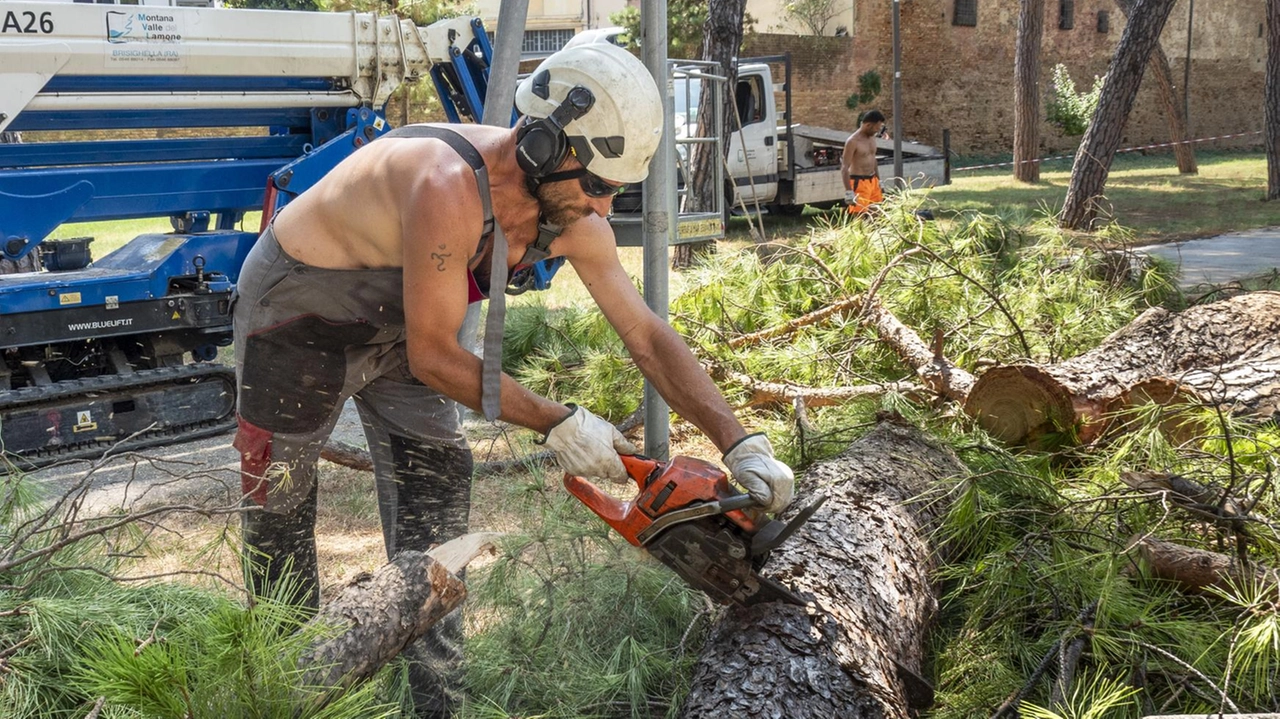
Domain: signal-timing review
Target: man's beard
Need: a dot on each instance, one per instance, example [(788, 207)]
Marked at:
[(557, 210)]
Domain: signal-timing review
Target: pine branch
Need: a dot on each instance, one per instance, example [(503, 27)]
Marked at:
[(1008, 315), (938, 373), (776, 392), (1196, 499), (70, 537), (789, 328), (1010, 705), (1196, 672)]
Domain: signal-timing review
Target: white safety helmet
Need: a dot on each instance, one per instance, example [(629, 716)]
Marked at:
[(620, 132)]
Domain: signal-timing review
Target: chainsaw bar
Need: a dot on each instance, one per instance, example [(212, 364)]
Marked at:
[(714, 559)]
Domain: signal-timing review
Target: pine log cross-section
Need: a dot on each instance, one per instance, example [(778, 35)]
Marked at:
[(857, 649), (1226, 353)]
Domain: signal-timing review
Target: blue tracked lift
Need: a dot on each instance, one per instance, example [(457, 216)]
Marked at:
[(119, 353)]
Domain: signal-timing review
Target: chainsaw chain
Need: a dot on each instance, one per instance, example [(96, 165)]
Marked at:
[(101, 384)]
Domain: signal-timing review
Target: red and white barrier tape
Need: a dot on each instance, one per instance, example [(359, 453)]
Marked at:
[(1126, 149)]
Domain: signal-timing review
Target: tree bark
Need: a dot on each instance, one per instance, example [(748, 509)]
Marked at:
[(377, 615), (721, 39), (864, 558), (1195, 570), (1026, 91), (1102, 139), (1160, 71), (1227, 353), (1272, 100)]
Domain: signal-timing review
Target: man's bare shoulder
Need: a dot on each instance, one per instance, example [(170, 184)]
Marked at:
[(590, 236)]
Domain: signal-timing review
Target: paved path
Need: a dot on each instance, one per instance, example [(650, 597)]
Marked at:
[(1219, 260), (200, 469)]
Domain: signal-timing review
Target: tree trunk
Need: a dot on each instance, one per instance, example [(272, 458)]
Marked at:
[(1026, 92), (864, 557), (721, 39), (1227, 352), (1160, 71), (1102, 139), (377, 615), (1272, 100)]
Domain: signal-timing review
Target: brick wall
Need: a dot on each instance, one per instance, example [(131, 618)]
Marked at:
[(961, 78), (823, 75)]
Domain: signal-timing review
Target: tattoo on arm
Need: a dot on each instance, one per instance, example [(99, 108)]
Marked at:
[(439, 257)]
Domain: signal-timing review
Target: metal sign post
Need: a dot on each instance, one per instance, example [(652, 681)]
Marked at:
[(898, 182), (659, 215), (507, 41)]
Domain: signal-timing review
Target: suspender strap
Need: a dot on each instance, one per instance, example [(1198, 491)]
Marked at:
[(472, 157), (491, 370)]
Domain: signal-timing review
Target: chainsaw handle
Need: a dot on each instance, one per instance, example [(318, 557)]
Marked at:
[(609, 508), (640, 468)]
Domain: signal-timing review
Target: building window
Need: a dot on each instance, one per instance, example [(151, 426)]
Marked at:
[(966, 13), (1104, 22), (1066, 14), (544, 42)]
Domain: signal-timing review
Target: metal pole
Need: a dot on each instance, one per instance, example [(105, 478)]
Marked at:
[(499, 99), (507, 41), (1186, 70), (946, 156), (897, 95), (659, 215)]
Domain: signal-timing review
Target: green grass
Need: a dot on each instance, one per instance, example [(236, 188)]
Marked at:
[(111, 235), (1145, 193)]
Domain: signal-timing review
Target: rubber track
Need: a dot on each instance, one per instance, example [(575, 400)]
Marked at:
[(58, 391)]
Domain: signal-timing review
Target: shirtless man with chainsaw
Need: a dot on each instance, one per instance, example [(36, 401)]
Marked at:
[(359, 287)]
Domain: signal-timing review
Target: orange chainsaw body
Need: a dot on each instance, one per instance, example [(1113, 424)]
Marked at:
[(663, 487)]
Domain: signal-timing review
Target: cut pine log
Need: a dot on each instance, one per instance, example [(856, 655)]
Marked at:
[(377, 615), (1226, 353), (857, 649)]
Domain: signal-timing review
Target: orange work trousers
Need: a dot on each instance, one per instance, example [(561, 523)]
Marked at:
[(867, 191)]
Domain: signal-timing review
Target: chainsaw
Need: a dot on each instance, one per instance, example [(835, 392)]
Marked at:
[(687, 516)]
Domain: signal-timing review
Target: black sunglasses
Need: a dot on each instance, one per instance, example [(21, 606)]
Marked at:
[(591, 184)]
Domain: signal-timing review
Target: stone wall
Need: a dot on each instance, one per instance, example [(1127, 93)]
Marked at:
[(961, 78)]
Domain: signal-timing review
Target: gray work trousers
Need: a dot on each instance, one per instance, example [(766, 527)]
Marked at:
[(306, 340)]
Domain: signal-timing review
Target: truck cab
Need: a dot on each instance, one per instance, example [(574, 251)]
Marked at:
[(782, 166)]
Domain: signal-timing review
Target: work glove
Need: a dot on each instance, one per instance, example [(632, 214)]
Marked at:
[(850, 197), (770, 482), (588, 446)]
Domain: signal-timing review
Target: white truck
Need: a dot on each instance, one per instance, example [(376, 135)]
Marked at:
[(782, 166)]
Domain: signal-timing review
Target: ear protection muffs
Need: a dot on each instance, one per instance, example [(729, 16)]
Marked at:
[(541, 144)]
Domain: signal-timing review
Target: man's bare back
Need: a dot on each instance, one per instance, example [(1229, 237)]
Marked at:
[(353, 218)]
